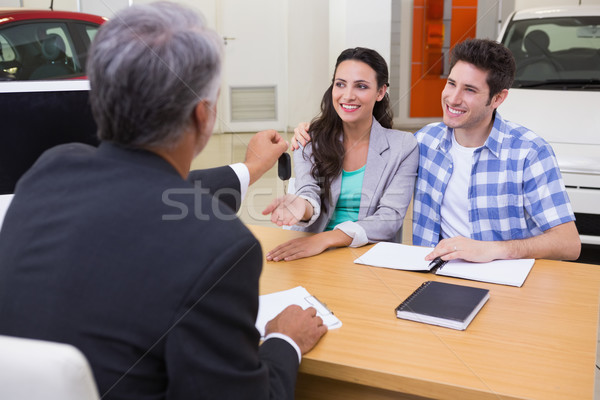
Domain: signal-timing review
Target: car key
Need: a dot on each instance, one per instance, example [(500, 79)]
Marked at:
[(284, 169)]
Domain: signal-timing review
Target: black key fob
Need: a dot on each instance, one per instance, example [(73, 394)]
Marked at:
[(284, 167)]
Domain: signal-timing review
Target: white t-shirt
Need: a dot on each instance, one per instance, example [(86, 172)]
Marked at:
[(455, 204)]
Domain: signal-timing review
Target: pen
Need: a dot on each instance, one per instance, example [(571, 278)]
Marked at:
[(436, 264)]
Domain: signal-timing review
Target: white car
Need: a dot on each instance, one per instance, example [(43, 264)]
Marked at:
[(556, 94)]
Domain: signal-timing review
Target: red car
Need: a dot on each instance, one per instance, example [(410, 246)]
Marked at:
[(45, 44)]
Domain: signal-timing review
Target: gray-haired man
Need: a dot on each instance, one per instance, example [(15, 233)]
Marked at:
[(163, 308)]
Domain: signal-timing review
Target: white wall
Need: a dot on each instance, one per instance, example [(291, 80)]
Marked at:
[(490, 16), (63, 5), (207, 8), (11, 3), (308, 59), (106, 8), (258, 57), (354, 23), (395, 65)]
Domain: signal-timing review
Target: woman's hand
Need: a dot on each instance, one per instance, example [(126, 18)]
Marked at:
[(309, 246), (288, 210), (298, 248), (301, 136)]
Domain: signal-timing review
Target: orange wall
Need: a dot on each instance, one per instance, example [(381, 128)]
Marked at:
[(427, 63)]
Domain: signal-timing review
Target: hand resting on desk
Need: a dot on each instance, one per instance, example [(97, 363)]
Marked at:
[(560, 242), (309, 246), (304, 327), (464, 248)]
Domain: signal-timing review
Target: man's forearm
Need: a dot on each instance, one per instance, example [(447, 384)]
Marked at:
[(558, 243)]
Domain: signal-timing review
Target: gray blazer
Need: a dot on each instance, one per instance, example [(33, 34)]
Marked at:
[(387, 189)]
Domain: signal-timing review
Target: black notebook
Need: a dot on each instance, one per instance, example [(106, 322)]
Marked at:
[(444, 304)]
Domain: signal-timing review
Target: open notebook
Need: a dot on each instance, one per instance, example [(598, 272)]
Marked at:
[(412, 258)]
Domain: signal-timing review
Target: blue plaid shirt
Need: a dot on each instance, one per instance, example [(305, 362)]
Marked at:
[(516, 190)]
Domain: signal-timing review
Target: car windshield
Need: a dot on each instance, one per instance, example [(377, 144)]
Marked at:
[(556, 53)]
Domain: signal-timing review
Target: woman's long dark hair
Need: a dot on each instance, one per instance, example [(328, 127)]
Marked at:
[(326, 128)]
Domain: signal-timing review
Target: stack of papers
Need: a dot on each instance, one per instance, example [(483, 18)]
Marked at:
[(269, 305)]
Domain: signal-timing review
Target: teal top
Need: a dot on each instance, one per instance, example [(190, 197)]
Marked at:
[(348, 203)]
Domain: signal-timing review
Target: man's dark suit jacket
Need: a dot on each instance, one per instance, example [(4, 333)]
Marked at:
[(154, 280)]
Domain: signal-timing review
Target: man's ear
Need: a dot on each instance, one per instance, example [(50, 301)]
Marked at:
[(199, 115), (200, 121), (499, 98)]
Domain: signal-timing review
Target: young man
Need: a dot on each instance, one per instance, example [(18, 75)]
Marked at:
[(488, 188), (122, 252)]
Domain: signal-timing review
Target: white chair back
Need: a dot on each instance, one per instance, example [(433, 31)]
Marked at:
[(40, 370), (5, 200)]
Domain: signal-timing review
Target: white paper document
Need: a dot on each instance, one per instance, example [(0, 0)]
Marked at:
[(412, 258), (503, 272), (396, 256), (269, 305)]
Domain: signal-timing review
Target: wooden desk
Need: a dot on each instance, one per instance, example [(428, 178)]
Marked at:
[(535, 342)]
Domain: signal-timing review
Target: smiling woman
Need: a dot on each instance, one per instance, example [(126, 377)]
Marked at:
[(354, 181)]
